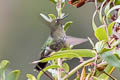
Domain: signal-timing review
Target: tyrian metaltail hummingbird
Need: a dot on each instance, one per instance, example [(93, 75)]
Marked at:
[(56, 41)]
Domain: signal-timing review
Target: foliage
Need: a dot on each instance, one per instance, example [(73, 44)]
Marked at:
[(13, 75), (104, 57)]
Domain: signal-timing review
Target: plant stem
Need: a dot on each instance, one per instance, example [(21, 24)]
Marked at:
[(96, 4), (59, 9), (77, 68), (59, 69), (49, 76), (2, 75), (109, 75)]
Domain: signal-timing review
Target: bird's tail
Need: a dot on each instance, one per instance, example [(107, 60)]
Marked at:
[(40, 65)]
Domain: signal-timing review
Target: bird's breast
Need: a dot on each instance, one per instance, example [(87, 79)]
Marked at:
[(58, 34)]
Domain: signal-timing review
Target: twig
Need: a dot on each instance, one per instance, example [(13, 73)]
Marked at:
[(106, 28), (59, 69), (109, 75), (95, 65), (96, 4), (59, 6), (49, 76), (2, 75), (77, 68)]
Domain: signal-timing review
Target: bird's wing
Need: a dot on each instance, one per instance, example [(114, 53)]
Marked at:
[(72, 41)]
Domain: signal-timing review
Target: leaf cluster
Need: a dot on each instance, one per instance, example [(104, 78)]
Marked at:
[(104, 56)]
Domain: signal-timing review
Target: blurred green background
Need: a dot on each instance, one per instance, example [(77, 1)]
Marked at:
[(22, 34)]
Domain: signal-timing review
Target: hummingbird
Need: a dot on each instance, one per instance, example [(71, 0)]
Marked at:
[(56, 41)]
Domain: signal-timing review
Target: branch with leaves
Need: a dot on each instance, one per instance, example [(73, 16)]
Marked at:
[(104, 57)]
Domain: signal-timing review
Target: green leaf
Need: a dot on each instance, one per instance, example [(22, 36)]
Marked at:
[(30, 77), (13, 75), (63, 4), (68, 55), (4, 64), (93, 21), (107, 8), (111, 0), (110, 28), (66, 67), (53, 1), (111, 58), (117, 52), (67, 25), (45, 69), (113, 8), (79, 52), (100, 46), (76, 53), (106, 49), (100, 33), (108, 70), (100, 0), (77, 78), (95, 78), (52, 16), (100, 12), (45, 17), (117, 2)]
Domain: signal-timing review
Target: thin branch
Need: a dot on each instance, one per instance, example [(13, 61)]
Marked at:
[(106, 28), (49, 76), (59, 69), (96, 4), (59, 6), (109, 75), (77, 68), (95, 66)]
